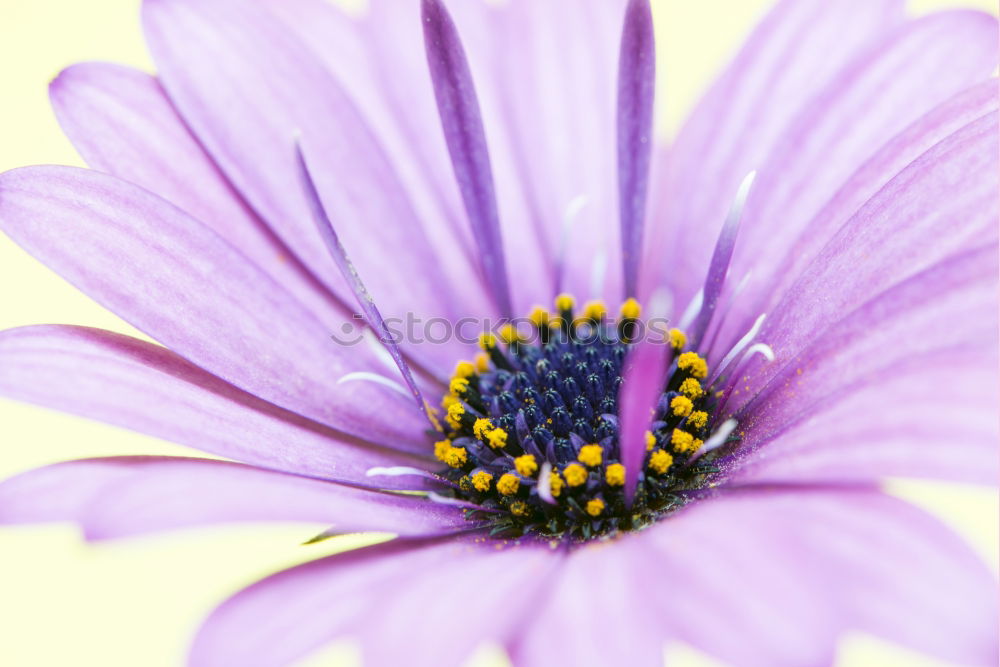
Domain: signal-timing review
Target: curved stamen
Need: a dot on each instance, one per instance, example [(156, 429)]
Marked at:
[(376, 379), (343, 262), (636, 87), (462, 123), (716, 277)]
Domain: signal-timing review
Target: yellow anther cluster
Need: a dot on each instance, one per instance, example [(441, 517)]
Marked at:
[(564, 302), (595, 311), (590, 455), (455, 412), (575, 474), (455, 457), (681, 406), (677, 338), (595, 506), (684, 442), (519, 508), (650, 441), (526, 465), (660, 461), (691, 388), (693, 364), (508, 484), (487, 341), (481, 480), (615, 474), (458, 386), (555, 483), (464, 369), (497, 438), (481, 427), (509, 334), (539, 317), (482, 363), (631, 310), (698, 419)]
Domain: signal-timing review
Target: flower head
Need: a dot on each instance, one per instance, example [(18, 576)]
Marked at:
[(830, 202)]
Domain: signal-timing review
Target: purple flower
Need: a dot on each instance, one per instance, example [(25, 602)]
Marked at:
[(834, 323)]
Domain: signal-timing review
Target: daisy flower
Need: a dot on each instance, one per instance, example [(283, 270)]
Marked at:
[(707, 356)]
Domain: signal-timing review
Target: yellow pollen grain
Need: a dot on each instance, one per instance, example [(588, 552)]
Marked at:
[(464, 369), (481, 480), (575, 474), (456, 457), (650, 440), (660, 461), (487, 341), (519, 508), (696, 445), (448, 400), (677, 338), (481, 427), (526, 465), (458, 386), (681, 406), (693, 364), (509, 334), (496, 438), (564, 302), (555, 484), (590, 455), (698, 419), (508, 484), (595, 506), (682, 441), (615, 474), (539, 316), (631, 310), (691, 388), (482, 363)]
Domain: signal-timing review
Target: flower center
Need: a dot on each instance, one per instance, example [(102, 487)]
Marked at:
[(532, 434)]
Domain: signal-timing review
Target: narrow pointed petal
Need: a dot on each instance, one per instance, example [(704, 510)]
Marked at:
[(643, 381), (715, 279), (126, 496), (463, 131), (353, 279), (636, 87)]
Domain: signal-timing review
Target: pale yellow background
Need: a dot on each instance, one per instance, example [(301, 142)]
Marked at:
[(136, 603)]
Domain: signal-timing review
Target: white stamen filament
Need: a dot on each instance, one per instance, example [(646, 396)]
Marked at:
[(397, 471), (545, 483), (377, 379), (741, 345), (717, 439), (692, 310)]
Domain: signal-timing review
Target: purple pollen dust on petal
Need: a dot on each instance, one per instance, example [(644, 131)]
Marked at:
[(462, 123), (343, 262), (716, 277), (636, 87)]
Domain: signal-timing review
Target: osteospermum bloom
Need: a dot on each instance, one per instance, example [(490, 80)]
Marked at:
[(587, 490)]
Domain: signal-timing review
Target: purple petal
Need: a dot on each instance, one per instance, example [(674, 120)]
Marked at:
[(351, 276), (140, 386), (791, 56), (463, 131), (644, 378), (245, 86), (920, 66), (594, 613), (355, 593), (785, 571), (862, 401), (636, 91), (122, 123), (127, 496), (177, 281), (943, 203)]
